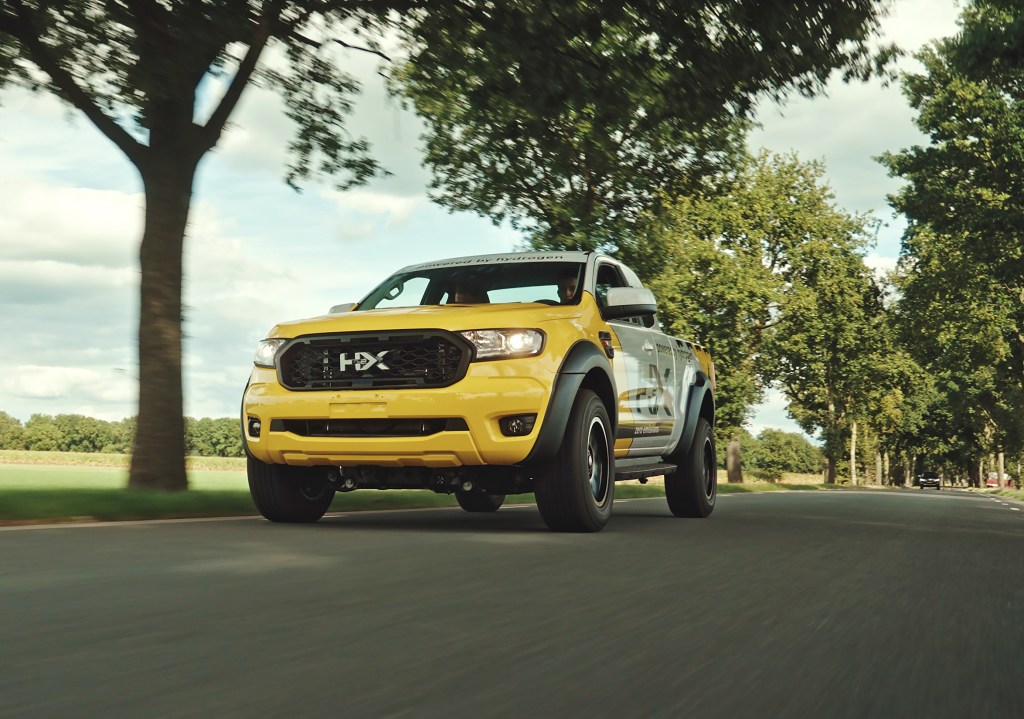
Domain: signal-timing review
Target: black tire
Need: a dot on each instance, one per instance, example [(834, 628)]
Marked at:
[(692, 489), (575, 491), (476, 500), (289, 494)]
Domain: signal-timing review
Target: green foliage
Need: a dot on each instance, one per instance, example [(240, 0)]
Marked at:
[(823, 344), (213, 437), (773, 452), (11, 432), (721, 264), (776, 452), (77, 433), (572, 119), (41, 434)]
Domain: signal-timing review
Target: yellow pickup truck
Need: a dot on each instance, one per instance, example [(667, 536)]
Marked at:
[(484, 376)]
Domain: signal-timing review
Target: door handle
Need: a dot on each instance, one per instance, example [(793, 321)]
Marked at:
[(648, 347)]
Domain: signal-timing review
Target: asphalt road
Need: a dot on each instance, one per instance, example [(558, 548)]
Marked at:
[(789, 604)]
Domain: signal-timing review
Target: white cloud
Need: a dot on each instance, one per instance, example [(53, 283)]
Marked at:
[(772, 414), (853, 123), (257, 135), (912, 23), (881, 265), (43, 137), (382, 208), (69, 224), (36, 382)]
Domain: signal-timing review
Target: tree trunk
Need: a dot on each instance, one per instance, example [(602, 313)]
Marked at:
[(853, 453), (878, 468), (734, 461), (885, 468), (158, 458), (832, 444), (1000, 467)]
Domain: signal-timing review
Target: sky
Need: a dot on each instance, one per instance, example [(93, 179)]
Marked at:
[(257, 252)]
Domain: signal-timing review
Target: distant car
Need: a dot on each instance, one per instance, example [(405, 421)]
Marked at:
[(992, 482), (929, 479)]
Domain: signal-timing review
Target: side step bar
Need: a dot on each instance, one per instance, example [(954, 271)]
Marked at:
[(642, 471)]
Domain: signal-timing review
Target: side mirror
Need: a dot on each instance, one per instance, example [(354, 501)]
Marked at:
[(338, 309), (623, 302)]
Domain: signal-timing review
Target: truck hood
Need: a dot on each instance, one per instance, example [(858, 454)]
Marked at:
[(447, 317)]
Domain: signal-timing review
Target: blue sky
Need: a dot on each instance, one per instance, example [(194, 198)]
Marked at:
[(258, 253)]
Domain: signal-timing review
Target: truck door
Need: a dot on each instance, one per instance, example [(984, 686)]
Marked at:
[(646, 411)]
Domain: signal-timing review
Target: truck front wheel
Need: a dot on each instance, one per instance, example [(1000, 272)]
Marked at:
[(692, 489), (289, 494), (575, 490)]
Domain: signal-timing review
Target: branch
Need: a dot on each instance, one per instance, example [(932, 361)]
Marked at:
[(316, 44), (214, 127), (568, 28), (22, 29), (9, 25), (370, 50)]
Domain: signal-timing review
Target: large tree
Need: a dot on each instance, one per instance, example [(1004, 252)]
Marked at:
[(716, 261), (962, 261), (572, 119), (766, 271), (824, 344), (137, 69)]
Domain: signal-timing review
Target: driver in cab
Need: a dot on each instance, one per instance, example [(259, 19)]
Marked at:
[(567, 285), (468, 293)]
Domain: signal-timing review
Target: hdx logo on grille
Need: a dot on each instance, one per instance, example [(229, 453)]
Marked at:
[(362, 361)]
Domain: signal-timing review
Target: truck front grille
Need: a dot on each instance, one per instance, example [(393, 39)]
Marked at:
[(431, 358)]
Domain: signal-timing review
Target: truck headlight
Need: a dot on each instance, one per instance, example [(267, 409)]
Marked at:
[(504, 344), (266, 350)]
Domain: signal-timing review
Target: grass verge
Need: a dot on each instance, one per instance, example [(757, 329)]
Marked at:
[(44, 492)]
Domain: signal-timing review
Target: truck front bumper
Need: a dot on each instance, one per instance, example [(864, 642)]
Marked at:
[(487, 394)]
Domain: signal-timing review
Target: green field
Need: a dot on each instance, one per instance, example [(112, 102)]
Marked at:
[(65, 486)]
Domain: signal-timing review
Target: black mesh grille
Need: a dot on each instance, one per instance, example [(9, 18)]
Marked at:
[(370, 361), (369, 427)]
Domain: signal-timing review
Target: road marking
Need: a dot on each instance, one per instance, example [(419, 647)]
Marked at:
[(123, 523)]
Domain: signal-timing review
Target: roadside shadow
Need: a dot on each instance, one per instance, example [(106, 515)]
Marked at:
[(445, 519)]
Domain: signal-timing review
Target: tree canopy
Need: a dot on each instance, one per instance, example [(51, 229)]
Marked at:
[(573, 119)]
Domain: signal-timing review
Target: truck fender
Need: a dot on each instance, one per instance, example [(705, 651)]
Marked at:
[(583, 358), (241, 422), (699, 390)]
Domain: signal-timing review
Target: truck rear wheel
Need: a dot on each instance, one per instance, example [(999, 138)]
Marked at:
[(576, 489), (692, 489), (289, 494), (478, 501)]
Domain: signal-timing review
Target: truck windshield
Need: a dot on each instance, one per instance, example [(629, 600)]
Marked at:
[(493, 283)]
